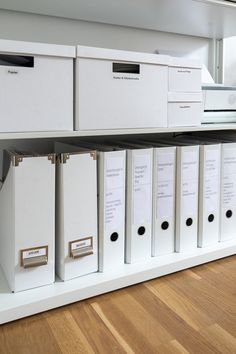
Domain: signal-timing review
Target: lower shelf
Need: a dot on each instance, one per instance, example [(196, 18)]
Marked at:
[(15, 306)]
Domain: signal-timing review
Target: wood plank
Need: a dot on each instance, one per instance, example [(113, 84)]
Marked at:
[(193, 311)]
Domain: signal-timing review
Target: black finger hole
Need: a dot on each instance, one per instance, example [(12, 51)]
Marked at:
[(211, 217), (114, 236), (189, 221), (141, 230), (229, 213), (165, 225)]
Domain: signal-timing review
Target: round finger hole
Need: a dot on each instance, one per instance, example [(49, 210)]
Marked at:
[(229, 213), (189, 221), (141, 230), (211, 217), (165, 225), (114, 236)]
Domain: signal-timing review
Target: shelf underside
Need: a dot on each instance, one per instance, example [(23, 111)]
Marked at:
[(15, 306), (203, 18), (120, 132)]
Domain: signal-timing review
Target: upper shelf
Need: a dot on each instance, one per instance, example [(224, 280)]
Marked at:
[(204, 18), (91, 133)]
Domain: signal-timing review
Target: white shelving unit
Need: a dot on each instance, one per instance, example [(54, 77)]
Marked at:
[(96, 133), (26, 303), (204, 18)]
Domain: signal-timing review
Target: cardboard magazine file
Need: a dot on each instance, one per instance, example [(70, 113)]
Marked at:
[(76, 212), (27, 220)]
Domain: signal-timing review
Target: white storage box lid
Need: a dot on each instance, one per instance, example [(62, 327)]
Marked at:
[(185, 63), (19, 47), (121, 55), (184, 96)]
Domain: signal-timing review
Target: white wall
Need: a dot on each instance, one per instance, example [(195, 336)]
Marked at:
[(30, 27), (229, 61)]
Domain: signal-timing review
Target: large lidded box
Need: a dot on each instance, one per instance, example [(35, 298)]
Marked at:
[(118, 89), (36, 86)]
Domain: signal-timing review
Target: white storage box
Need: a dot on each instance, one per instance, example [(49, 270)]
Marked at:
[(118, 89), (184, 109), (184, 75), (27, 221), (36, 86)]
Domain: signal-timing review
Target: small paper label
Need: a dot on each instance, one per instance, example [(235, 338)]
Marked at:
[(142, 204), (228, 191), (211, 194), (165, 166), (165, 196), (37, 252), (190, 165), (142, 198), (212, 163), (114, 203), (114, 208), (165, 184), (81, 244), (211, 180), (190, 182), (190, 197), (142, 169), (114, 172), (229, 161)]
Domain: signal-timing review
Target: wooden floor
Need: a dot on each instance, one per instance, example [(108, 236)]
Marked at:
[(193, 311)]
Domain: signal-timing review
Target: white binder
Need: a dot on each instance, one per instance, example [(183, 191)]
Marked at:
[(187, 179), (163, 216), (228, 186), (112, 167), (187, 198), (164, 170), (138, 203), (209, 191), (228, 192), (76, 212), (111, 205), (27, 219)]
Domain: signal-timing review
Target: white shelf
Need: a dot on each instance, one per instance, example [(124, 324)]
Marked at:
[(15, 306), (90, 133), (203, 18)]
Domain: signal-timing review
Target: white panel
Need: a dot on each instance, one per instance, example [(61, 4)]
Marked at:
[(38, 98), (110, 100), (64, 31)]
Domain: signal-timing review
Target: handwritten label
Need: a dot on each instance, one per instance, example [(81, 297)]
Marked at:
[(211, 175), (114, 192), (165, 185), (190, 161), (38, 252), (81, 244), (142, 199), (228, 191)]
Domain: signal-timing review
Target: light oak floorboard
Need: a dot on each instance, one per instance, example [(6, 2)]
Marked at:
[(189, 312)]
